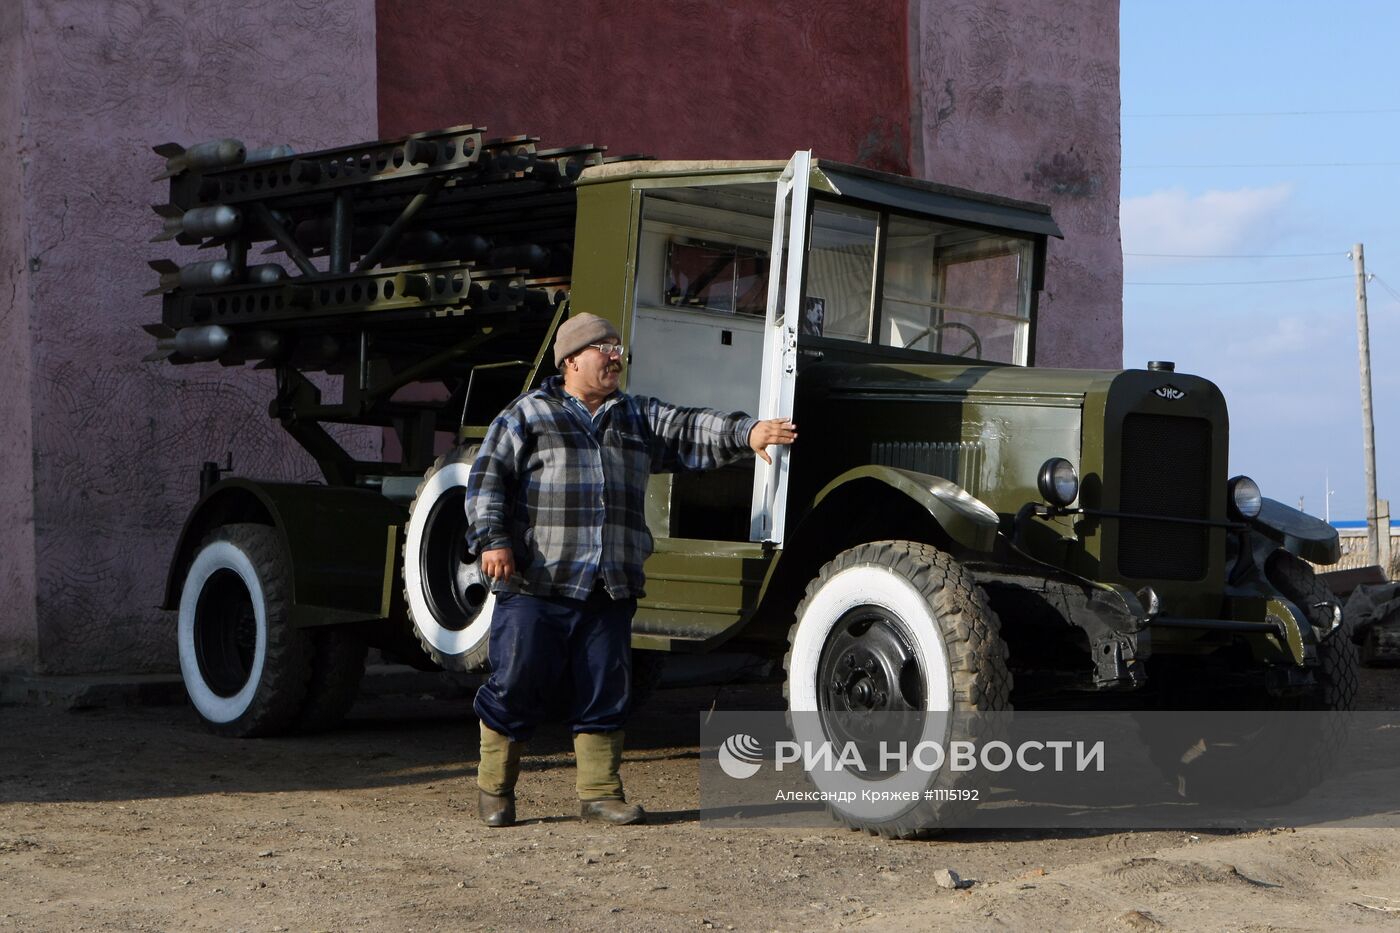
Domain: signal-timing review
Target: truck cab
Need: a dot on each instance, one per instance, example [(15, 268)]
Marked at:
[(884, 272)]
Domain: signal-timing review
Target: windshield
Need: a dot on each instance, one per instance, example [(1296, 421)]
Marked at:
[(873, 276), (917, 284)]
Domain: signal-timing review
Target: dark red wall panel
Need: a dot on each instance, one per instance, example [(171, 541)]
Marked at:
[(685, 79)]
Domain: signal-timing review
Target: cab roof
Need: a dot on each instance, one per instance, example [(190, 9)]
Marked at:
[(847, 181)]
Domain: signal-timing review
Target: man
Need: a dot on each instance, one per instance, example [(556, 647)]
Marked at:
[(556, 503)]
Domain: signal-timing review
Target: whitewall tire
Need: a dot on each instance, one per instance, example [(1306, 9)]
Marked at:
[(449, 600), (890, 635), (244, 666)]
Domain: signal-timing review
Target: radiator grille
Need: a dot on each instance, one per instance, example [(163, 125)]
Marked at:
[(1166, 471), (959, 462)]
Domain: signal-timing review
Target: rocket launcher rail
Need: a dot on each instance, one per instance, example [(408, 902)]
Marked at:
[(396, 263)]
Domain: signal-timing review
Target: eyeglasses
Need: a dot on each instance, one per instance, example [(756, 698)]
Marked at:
[(610, 350)]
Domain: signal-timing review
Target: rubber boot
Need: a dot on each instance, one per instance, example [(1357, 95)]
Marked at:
[(496, 774), (599, 755)]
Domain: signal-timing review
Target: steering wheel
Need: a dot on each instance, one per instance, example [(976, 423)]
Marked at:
[(975, 346)]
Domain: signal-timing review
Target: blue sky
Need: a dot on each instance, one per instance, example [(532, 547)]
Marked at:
[(1270, 97)]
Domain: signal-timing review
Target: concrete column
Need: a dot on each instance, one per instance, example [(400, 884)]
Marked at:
[(116, 443), (1021, 98), (18, 628)]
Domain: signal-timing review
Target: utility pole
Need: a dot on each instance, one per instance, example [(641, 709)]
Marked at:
[(1368, 427)]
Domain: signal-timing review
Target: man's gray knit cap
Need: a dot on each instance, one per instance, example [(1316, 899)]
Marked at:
[(578, 332)]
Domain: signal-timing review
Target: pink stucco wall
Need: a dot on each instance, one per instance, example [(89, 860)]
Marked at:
[(686, 79), (1021, 98), (117, 442), (99, 466), (18, 625)]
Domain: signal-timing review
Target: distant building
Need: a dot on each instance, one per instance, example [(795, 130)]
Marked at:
[(1353, 535)]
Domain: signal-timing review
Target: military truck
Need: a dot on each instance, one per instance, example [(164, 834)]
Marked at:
[(955, 529)]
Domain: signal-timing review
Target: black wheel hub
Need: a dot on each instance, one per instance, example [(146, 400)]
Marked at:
[(225, 633), (870, 686), (452, 582), (868, 665)]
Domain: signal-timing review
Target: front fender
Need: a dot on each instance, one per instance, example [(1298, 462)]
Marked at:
[(1298, 532), (966, 519), (340, 541)]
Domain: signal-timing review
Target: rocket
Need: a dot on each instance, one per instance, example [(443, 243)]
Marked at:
[(266, 273), (213, 342), (208, 274), (206, 342), (217, 153), (268, 153), (212, 273), (190, 227)]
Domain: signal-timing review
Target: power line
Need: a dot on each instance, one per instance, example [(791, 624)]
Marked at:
[(1323, 278), (1235, 255), (1265, 113), (1382, 283)]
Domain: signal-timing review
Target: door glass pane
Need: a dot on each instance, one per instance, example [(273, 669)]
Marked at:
[(956, 291), (783, 267), (840, 272), (716, 277)]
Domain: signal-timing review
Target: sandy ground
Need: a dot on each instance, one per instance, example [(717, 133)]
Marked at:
[(137, 819)]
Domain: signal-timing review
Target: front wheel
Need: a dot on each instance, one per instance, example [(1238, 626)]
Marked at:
[(245, 667), (1255, 749), (887, 633), (1338, 676)]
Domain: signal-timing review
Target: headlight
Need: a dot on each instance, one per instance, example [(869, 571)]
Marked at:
[(1058, 482), (1245, 499)]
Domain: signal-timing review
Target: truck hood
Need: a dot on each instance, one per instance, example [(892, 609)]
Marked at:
[(903, 380)]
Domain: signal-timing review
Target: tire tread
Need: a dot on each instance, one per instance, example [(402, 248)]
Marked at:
[(287, 663), (337, 667), (475, 658), (971, 632)]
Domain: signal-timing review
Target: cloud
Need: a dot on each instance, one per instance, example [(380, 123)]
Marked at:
[(1302, 335), (1176, 222)]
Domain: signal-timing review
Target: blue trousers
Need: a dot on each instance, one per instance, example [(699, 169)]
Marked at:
[(541, 648)]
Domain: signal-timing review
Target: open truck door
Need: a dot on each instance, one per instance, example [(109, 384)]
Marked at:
[(784, 311)]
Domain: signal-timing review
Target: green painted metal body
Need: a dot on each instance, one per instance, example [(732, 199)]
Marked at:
[(341, 544), (1006, 421), (966, 519)]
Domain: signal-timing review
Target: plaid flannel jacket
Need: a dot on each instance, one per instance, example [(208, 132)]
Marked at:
[(567, 493)]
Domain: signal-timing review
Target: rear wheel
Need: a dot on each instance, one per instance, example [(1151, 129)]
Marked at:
[(245, 667), (448, 598), (337, 667), (887, 633)]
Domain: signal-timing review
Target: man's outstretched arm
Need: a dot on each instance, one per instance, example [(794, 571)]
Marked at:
[(702, 438)]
